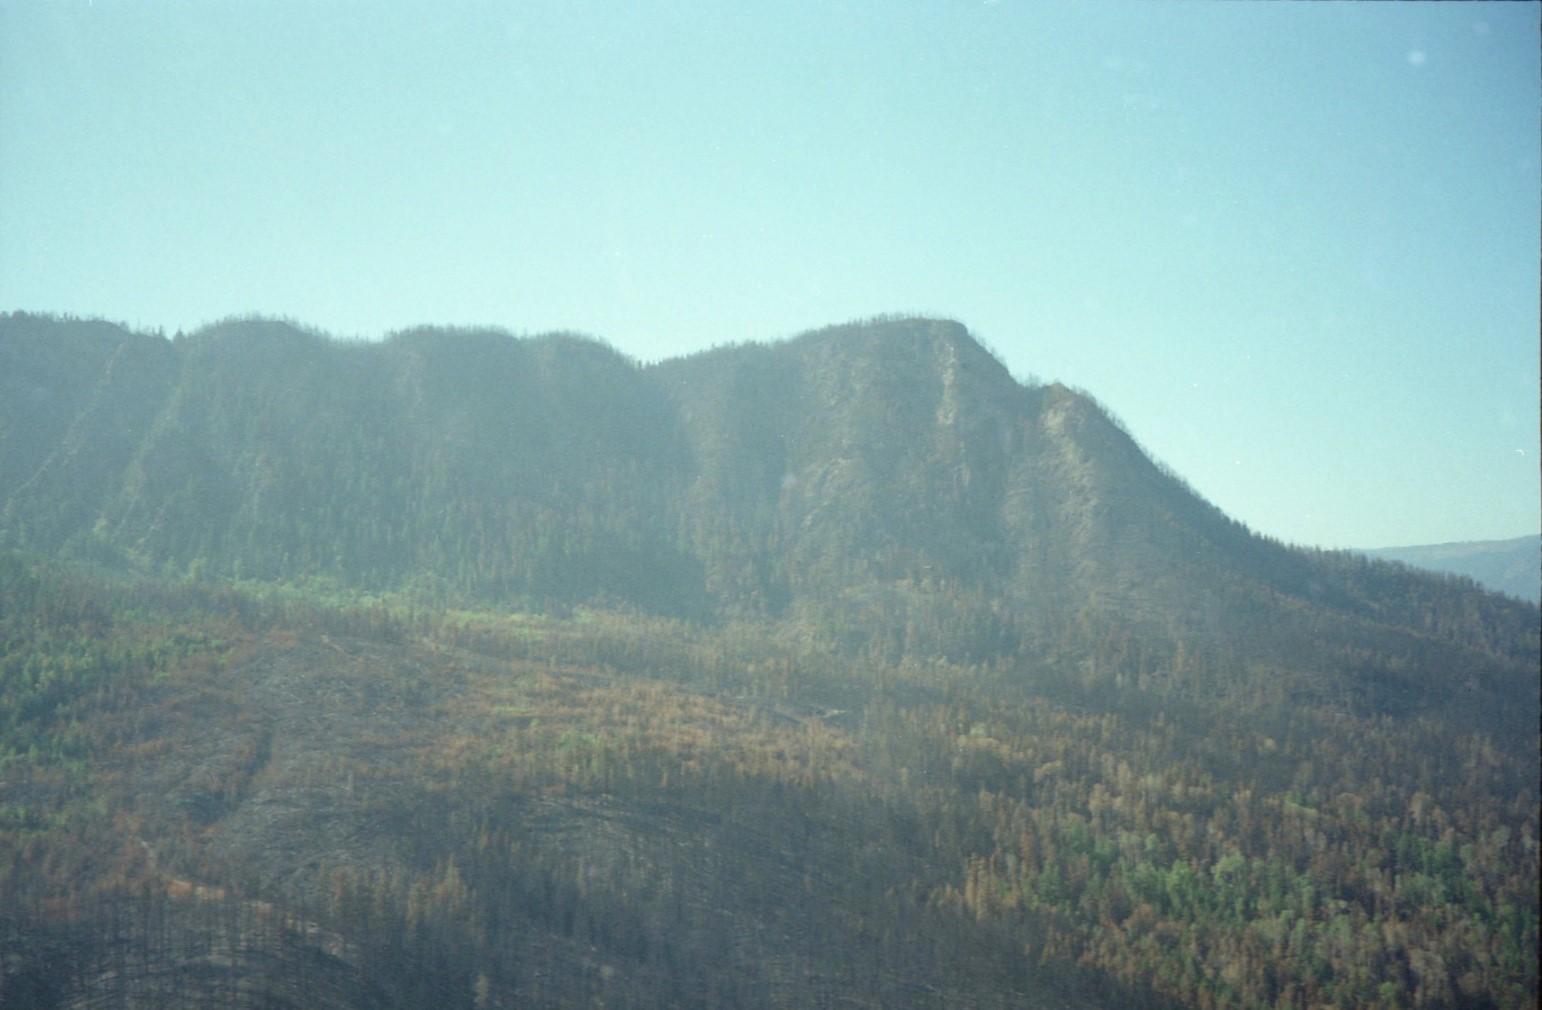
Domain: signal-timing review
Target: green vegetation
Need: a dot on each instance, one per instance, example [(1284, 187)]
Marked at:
[(469, 671), (514, 790)]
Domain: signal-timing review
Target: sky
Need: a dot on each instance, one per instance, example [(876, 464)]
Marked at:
[(1293, 247)]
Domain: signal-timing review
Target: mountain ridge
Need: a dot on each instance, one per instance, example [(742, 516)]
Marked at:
[(475, 671), (830, 476), (1512, 566)]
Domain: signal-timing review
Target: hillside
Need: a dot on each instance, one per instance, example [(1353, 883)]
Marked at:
[(1513, 567), (473, 671), (852, 480)]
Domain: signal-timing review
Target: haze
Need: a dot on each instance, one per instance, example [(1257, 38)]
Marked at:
[(1294, 246)]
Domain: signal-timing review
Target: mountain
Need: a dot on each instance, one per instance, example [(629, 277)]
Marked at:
[(843, 464), (479, 671), (852, 478), (1513, 566)]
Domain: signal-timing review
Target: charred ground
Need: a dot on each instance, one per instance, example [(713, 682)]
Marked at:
[(476, 671)]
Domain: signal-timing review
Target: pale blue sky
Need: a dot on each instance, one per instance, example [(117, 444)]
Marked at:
[(1294, 247)]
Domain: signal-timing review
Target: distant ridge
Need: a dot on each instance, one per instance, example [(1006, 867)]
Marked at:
[(1513, 567)]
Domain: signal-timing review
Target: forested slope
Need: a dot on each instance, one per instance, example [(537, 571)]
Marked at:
[(467, 670), (1506, 566), (211, 796), (857, 480)]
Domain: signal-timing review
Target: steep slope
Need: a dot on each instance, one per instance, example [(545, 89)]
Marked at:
[(467, 462), (891, 483), (59, 505), (888, 485), (47, 367), (861, 453), (541, 469), (971, 703), (903, 452)]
